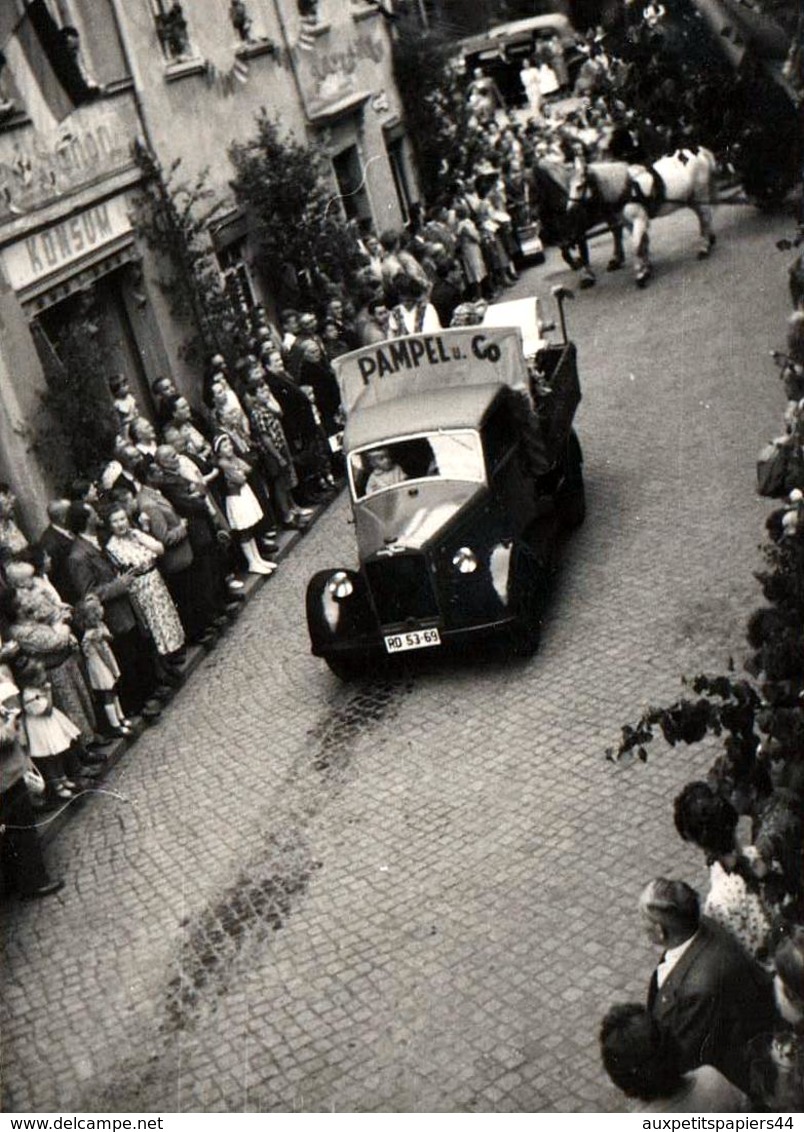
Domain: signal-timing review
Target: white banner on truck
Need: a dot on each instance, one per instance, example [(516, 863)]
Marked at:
[(402, 367)]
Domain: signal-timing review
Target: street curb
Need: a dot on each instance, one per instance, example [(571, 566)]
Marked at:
[(116, 749)]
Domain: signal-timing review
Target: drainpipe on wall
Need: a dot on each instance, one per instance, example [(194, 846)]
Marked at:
[(284, 33), (128, 56)]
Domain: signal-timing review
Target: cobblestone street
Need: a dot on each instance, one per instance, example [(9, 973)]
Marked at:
[(419, 894)]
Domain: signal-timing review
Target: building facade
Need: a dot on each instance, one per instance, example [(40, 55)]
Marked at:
[(82, 82)]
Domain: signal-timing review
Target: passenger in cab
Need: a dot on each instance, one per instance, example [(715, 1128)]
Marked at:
[(385, 472)]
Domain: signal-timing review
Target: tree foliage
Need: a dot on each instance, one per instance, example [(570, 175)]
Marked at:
[(434, 97), (73, 435), (295, 217), (174, 217)]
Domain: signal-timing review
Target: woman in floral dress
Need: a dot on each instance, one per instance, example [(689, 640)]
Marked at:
[(734, 901), (131, 549)]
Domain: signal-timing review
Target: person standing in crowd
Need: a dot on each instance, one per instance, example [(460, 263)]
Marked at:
[(125, 404), (101, 664), (391, 267), (143, 436), (375, 328), (135, 551), (336, 313), (56, 541), (706, 992), (471, 251), (734, 901), (308, 445), (41, 629), (312, 369), (265, 416), (643, 1060), (413, 314), (23, 866), (12, 540), (89, 570), (289, 320), (531, 84), (447, 290), (243, 512), (49, 733), (334, 345), (163, 390), (209, 539)]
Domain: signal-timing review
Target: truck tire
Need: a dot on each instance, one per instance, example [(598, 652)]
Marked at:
[(348, 668), (525, 631), (573, 494)]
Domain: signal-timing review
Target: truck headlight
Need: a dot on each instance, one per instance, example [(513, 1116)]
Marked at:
[(464, 560), (340, 585)]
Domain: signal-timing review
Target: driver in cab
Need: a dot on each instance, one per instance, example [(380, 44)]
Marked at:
[(384, 471)]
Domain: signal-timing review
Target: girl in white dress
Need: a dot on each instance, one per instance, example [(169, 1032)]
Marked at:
[(100, 662), (243, 511), (48, 731)]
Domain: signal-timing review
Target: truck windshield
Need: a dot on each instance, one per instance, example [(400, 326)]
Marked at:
[(454, 455)]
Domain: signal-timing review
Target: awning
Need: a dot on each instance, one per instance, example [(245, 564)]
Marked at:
[(350, 104), (79, 275)]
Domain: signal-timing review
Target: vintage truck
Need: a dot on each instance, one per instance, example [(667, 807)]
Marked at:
[(464, 472)]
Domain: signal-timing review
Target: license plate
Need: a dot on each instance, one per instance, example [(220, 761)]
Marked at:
[(419, 639)]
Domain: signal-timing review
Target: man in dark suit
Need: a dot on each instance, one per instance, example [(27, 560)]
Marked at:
[(57, 541), (706, 991), (208, 591), (89, 570)]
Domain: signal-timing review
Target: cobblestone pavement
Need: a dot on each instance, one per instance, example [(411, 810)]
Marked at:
[(419, 894)]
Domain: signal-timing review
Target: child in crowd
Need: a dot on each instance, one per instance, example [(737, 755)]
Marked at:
[(48, 731), (100, 661), (125, 406)]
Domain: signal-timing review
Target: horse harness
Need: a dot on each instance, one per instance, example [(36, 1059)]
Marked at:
[(585, 184), (656, 196)]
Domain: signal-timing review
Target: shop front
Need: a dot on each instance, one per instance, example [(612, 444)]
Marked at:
[(78, 290)]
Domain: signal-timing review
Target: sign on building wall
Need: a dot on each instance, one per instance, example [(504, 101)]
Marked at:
[(59, 246), (335, 65), (39, 166)]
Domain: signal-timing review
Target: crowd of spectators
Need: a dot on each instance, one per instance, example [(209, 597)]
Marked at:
[(722, 1028), (142, 559)]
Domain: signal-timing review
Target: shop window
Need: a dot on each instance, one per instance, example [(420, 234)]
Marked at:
[(397, 159), (352, 186)]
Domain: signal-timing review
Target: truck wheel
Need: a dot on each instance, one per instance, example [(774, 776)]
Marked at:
[(524, 632), (524, 635), (573, 495), (348, 668)]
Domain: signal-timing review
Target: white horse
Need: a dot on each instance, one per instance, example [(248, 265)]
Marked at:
[(684, 179)]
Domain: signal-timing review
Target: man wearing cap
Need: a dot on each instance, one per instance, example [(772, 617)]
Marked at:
[(23, 867), (706, 992)]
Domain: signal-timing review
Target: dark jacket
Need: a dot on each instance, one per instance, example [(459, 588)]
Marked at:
[(88, 570), (713, 1002), (445, 297), (201, 529), (167, 527), (58, 547)]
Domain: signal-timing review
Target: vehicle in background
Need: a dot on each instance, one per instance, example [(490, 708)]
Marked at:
[(501, 51)]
